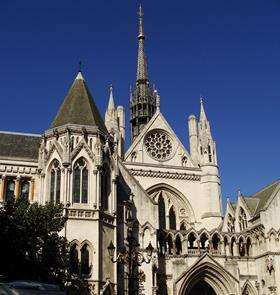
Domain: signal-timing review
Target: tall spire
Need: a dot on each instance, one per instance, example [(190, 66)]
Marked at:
[(142, 72), (142, 99)]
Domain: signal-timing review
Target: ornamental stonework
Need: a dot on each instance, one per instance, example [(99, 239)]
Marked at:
[(159, 145)]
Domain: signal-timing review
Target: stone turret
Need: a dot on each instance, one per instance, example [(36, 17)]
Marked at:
[(210, 178)]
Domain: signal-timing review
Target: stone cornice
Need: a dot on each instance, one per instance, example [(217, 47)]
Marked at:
[(164, 174), (18, 169)]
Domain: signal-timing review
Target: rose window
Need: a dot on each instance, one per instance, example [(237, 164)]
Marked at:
[(159, 145)]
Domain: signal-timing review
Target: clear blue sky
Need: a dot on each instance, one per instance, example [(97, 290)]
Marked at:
[(227, 51)]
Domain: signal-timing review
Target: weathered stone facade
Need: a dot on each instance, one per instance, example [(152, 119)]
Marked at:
[(172, 197)]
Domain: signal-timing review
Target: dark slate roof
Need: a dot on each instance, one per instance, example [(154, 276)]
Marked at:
[(264, 195), (251, 203), (19, 146), (79, 107)]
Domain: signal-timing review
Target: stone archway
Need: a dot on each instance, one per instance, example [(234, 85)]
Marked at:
[(206, 277), (201, 288)]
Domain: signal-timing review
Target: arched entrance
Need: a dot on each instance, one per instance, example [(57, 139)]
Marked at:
[(206, 277), (201, 288)]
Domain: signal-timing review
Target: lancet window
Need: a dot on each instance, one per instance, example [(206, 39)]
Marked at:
[(172, 218), (105, 186), (85, 267), (55, 182), (243, 224), (230, 224), (80, 182), (74, 259), (161, 212), (80, 260)]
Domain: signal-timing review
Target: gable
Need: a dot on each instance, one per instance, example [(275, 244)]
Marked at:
[(158, 144)]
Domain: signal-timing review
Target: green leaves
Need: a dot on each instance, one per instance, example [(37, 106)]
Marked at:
[(31, 247)]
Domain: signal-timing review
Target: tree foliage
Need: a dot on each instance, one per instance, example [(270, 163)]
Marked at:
[(30, 244)]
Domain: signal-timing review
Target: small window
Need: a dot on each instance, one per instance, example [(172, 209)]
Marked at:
[(24, 189), (184, 161), (10, 190), (243, 224)]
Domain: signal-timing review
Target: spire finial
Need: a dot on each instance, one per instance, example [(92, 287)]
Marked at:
[(80, 76), (111, 104), (140, 13), (202, 111)]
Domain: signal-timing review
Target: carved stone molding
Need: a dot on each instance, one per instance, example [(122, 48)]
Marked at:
[(161, 174)]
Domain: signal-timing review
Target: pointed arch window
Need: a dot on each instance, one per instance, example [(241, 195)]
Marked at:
[(243, 224), (172, 218), (161, 212), (85, 265), (74, 260), (184, 161), (55, 182), (80, 182), (230, 224), (105, 186)]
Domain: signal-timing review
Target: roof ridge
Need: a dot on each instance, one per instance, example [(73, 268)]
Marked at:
[(266, 187)]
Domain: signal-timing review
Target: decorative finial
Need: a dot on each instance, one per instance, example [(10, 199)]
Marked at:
[(80, 76), (201, 99), (239, 192), (141, 32), (111, 87)]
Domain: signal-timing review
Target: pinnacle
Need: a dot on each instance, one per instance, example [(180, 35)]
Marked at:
[(202, 111), (79, 76), (111, 104)]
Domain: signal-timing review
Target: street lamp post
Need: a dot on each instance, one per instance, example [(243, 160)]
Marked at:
[(132, 258)]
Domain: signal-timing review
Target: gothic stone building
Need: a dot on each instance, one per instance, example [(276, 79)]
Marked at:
[(157, 191)]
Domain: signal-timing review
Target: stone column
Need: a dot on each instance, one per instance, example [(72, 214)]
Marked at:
[(198, 245), (31, 190), (98, 188), (95, 188), (114, 193), (245, 249), (210, 246), (17, 187), (174, 247), (2, 188), (237, 249)]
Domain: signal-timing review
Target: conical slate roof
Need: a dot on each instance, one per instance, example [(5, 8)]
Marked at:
[(79, 107)]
